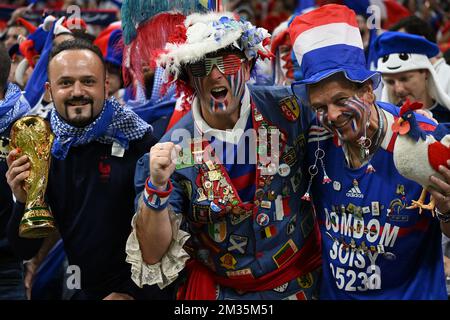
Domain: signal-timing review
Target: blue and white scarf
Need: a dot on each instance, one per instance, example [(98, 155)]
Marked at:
[(115, 123), (12, 107)]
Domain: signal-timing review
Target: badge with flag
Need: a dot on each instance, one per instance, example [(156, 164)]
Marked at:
[(286, 252), (268, 232), (218, 231)]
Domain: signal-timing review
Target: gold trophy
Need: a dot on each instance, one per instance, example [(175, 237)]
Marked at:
[(33, 136)]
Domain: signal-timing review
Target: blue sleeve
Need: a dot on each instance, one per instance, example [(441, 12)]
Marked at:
[(23, 248), (177, 198)]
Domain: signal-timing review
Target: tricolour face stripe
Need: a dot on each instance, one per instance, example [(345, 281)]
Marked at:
[(237, 83), (354, 108)]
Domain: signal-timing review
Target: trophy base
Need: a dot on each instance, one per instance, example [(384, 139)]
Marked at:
[(37, 226)]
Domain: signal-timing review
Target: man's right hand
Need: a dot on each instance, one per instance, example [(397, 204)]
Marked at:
[(18, 171), (162, 163)]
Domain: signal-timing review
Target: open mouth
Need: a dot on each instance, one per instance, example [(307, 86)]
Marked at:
[(219, 93), (394, 68)]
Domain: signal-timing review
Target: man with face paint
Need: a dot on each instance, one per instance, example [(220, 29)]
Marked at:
[(230, 174), (373, 246), (90, 187)]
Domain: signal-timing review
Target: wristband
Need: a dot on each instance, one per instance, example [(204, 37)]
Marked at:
[(156, 199)]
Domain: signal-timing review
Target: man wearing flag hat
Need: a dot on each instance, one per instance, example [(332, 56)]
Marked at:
[(404, 62), (236, 181), (372, 246)]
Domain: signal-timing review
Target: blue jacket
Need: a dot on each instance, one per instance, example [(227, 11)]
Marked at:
[(270, 229)]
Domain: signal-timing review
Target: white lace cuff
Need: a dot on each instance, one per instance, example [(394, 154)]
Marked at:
[(166, 271)]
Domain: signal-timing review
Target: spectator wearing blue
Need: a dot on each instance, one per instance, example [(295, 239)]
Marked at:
[(403, 60), (372, 246), (417, 26)]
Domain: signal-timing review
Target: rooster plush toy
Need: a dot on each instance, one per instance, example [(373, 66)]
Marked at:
[(417, 154)]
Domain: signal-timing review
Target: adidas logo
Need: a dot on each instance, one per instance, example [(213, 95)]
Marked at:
[(354, 193)]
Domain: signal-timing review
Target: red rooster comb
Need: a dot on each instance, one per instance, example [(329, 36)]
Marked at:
[(408, 106)]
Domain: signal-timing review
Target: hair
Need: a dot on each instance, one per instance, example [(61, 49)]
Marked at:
[(76, 44), (83, 35), (417, 26), (5, 66)]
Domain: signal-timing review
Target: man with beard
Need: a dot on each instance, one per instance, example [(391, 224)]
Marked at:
[(90, 188), (373, 246), (237, 180)]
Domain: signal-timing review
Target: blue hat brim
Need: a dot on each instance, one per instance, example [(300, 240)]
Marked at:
[(359, 75)]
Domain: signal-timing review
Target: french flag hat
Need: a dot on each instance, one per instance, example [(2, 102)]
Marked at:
[(327, 41)]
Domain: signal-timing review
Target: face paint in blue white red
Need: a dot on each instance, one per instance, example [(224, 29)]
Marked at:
[(353, 110), (220, 91)]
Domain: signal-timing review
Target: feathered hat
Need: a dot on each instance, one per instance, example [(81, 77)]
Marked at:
[(207, 33), (399, 52)]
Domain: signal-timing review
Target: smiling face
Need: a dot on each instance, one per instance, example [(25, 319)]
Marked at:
[(77, 86), (219, 81), (333, 100)]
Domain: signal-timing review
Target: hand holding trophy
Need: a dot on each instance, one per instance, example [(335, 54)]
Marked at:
[(33, 137)]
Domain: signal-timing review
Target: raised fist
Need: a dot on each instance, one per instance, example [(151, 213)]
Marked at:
[(163, 158)]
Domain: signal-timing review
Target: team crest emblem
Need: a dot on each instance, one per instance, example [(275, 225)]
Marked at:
[(228, 261), (306, 281), (289, 108)]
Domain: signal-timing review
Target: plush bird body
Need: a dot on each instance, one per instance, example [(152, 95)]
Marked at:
[(417, 154)]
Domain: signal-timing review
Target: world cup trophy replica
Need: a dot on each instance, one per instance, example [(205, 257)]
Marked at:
[(32, 135)]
